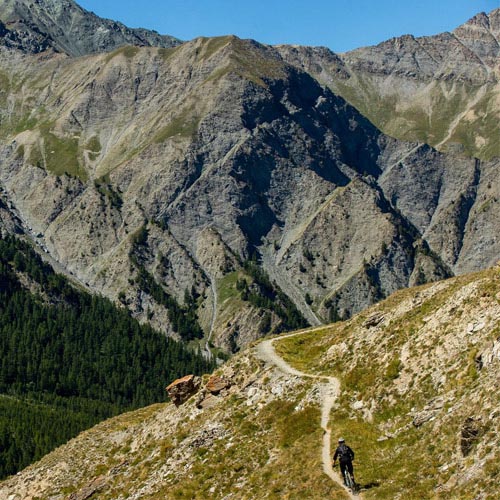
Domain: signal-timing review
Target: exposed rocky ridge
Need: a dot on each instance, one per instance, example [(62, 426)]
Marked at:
[(195, 179), (419, 381), (221, 135), (470, 53), (441, 89), (36, 25)]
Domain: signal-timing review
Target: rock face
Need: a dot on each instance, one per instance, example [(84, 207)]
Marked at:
[(182, 389), (35, 25), (442, 90), (469, 435), (90, 490), (155, 175)]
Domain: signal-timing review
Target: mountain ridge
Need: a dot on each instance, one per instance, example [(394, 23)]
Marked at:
[(134, 144), (225, 189), (474, 42), (65, 27), (229, 137), (264, 134), (440, 89)]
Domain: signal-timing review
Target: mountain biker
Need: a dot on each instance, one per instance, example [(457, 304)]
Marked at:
[(345, 456)]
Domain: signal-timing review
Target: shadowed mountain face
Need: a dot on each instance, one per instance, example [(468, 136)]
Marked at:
[(149, 171), (442, 90), (35, 25)]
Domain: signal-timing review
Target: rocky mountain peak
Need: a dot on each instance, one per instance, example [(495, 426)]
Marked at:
[(35, 25), (480, 35), (480, 20), (440, 89), (469, 53), (233, 139)]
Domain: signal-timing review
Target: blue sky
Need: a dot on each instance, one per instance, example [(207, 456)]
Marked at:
[(338, 24)]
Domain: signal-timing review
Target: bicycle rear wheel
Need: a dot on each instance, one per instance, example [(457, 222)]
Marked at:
[(350, 482)]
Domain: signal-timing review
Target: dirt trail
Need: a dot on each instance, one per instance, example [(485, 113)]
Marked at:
[(329, 392), (213, 288)]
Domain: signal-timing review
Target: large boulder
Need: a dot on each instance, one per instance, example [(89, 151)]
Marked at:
[(182, 389)]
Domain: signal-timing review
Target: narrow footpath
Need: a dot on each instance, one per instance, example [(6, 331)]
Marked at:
[(328, 393), (213, 287)]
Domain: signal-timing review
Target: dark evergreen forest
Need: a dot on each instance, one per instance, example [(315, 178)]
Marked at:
[(69, 359)]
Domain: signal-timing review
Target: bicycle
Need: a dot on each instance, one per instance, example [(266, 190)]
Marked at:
[(349, 482)]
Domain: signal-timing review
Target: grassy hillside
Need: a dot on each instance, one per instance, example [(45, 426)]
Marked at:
[(419, 378), (249, 442), (440, 114), (419, 404)]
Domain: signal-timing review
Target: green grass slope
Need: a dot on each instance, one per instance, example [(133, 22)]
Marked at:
[(419, 378), (441, 114)]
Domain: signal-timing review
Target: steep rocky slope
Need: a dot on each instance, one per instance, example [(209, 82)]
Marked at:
[(62, 25), (418, 403), (442, 90), (217, 134), (156, 173)]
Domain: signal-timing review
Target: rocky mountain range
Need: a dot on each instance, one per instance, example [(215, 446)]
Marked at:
[(232, 175), (442, 90), (224, 190), (63, 26)]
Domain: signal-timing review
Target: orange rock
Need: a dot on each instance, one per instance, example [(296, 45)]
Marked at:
[(216, 384), (182, 389)]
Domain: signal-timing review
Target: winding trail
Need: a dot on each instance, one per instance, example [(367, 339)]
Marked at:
[(213, 288), (329, 392)]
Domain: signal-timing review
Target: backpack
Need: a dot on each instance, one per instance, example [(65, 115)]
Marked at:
[(345, 453)]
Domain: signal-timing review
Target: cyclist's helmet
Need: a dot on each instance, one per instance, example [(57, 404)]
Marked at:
[(341, 440)]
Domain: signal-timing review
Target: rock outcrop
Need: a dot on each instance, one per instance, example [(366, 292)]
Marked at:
[(469, 435), (182, 389), (216, 384)]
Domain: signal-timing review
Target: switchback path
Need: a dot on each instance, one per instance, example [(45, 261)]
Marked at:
[(329, 392)]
